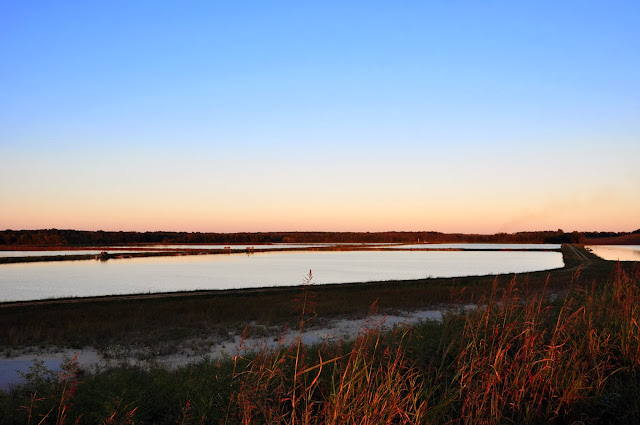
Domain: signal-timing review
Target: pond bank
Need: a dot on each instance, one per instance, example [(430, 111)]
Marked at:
[(15, 363)]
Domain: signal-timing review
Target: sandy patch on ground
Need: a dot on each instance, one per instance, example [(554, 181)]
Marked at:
[(331, 330)]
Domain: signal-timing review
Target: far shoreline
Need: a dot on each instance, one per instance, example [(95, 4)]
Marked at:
[(140, 252)]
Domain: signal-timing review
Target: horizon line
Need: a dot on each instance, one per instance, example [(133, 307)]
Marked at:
[(320, 231)]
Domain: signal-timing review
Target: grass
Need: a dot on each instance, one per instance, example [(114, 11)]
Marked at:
[(523, 356)]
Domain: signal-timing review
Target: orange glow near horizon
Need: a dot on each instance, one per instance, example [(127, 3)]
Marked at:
[(406, 199), (373, 218)]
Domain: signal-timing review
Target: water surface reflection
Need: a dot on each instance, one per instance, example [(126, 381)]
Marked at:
[(30, 281), (616, 252)]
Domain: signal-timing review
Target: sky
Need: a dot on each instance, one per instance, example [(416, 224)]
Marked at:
[(453, 116)]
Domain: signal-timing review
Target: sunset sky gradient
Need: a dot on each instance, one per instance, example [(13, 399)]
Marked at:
[(454, 116)]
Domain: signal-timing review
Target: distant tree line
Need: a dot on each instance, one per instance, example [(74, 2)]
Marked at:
[(602, 235), (55, 237)]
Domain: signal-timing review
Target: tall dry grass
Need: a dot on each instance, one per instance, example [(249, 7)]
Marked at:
[(523, 359), (371, 382)]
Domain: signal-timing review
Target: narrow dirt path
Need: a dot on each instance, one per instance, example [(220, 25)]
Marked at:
[(581, 255)]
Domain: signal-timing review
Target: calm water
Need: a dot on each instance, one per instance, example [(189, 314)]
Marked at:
[(147, 248), (616, 252), (60, 252), (483, 246), (244, 246), (30, 281)]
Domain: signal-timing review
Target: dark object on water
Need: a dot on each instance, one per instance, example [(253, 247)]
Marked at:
[(103, 256)]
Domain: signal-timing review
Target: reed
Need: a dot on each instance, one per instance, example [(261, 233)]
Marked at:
[(372, 382), (525, 360)]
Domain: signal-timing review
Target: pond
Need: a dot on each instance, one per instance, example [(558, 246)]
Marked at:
[(478, 246), (616, 252), (32, 281), (172, 247), (50, 253)]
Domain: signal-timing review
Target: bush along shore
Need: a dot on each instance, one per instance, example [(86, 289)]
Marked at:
[(519, 357)]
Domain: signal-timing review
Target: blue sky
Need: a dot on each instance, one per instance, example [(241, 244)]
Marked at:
[(248, 116)]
